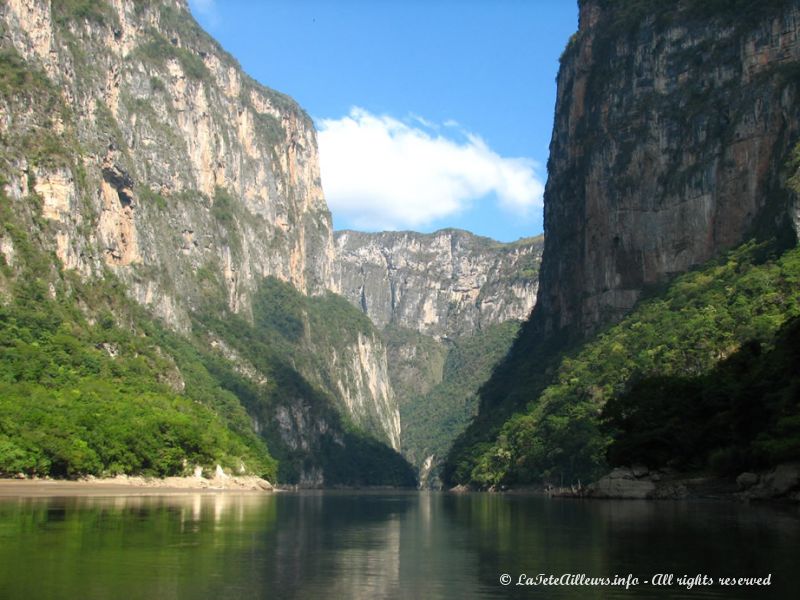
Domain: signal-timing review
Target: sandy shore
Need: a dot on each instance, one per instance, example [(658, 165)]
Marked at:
[(131, 486)]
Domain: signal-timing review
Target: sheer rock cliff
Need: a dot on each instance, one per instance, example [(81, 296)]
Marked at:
[(140, 149), (447, 305), (673, 126), (443, 284)]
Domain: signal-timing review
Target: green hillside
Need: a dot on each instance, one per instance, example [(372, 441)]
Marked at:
[(90, 385), (431, 421), (290, 342), (702, 318), (742, 415)]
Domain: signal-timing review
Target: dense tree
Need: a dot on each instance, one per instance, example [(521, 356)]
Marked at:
[(650, 368)]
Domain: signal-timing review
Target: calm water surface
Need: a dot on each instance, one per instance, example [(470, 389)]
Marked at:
[(382, 545)]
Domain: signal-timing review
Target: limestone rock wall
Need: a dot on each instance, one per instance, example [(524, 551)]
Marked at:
[(185, 163), (673, 127), (139, 147), (444, 284)]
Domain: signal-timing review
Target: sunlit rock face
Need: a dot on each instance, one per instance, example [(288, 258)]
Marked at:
[(426, 293), (444, 284), (156, 158), (185, 164), (672, 132)]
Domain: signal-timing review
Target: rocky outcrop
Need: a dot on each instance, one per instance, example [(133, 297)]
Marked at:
[(638, 483), (186, 164), (136, 147), (673, 126), (622, 483), (429, 294), (782, 482), (444, 284), (359, 374)]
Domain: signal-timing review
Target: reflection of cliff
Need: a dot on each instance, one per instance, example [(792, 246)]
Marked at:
[(533, 535), (338, 546), (366, 546), (374, 545)]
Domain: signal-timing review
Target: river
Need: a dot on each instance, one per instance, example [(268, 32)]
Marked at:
[(387, 545)]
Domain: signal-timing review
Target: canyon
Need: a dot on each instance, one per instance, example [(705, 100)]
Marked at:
[(136, 150)]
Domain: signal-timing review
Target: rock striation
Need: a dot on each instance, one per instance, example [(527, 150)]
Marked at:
[(675, 139), (443, 302), (137, 149), (185, 163), (673, 125), (444, 284)]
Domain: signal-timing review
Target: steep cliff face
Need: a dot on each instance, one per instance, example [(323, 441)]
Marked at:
[(186, 164), (445, 284), (448, 306), (672, 126), (364, 386), (134, 146), (672, 147)]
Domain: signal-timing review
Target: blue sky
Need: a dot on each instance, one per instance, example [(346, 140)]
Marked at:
[(430, 114)]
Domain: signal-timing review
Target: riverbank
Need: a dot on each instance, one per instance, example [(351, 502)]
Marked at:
[(124, 485), (780, 484)]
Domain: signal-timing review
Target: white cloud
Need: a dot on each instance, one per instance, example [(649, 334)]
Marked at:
[(381, 173)]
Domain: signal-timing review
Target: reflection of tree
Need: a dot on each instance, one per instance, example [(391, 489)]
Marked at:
[(529, 534), (126, 547), (379, 545)]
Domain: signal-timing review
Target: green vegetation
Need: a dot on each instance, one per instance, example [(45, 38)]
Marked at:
[(159, 50), (431, 421), (157, 85), (94, 11), (742, 415), (17, 80), (107, 124), (102, 426), (80, 396), (702, 318), (90, 383), (269, 128), (292, 341), (224, 210), (148, 196), (223, 207), (23, 88), (416, 361), (96, 397)]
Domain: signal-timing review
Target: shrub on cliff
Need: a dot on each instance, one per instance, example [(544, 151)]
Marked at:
[(703, 317)]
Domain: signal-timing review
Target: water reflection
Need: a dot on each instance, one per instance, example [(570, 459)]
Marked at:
[(380, 545), (126, 547), (338, 545), (518, 535)]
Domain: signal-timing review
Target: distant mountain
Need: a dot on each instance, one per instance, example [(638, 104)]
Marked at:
[(448, 305)]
